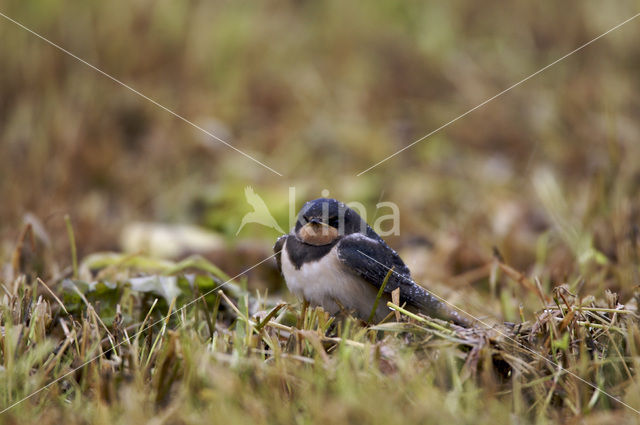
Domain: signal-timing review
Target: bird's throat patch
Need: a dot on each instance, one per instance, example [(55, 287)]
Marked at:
[(318, 234)]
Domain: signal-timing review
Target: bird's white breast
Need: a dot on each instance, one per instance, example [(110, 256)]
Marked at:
[(329, 284)]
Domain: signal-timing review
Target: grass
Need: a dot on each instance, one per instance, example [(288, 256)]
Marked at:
[(112, 354), (524, 213)]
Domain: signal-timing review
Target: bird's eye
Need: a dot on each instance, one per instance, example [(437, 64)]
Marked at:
[(305, 218), (333, 221)]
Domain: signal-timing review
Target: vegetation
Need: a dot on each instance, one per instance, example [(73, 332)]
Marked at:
[(524, 213)]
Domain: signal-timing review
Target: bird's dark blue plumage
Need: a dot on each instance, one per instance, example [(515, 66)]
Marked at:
[(333, 258)]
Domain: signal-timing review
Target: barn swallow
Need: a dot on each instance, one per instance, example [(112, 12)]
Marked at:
[(334, 259)]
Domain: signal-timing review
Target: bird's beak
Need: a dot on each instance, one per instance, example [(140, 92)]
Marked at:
[(315, 220)]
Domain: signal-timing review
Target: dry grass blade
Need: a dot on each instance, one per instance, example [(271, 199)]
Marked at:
[(55, 297)]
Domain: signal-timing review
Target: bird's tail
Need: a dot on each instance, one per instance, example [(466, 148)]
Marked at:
[(428, 304)]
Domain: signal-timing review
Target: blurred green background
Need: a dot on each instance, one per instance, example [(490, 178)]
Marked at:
[(547, 173)]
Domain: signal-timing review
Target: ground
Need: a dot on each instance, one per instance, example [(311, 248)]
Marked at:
[(523, 213)]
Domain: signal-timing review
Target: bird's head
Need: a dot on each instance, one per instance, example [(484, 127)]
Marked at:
[(324, 220)]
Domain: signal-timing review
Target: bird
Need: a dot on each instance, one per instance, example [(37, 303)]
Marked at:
[(260, 213), (333, 259)]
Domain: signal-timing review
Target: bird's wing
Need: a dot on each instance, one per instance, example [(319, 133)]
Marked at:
[(277, 249), (371, 259)]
